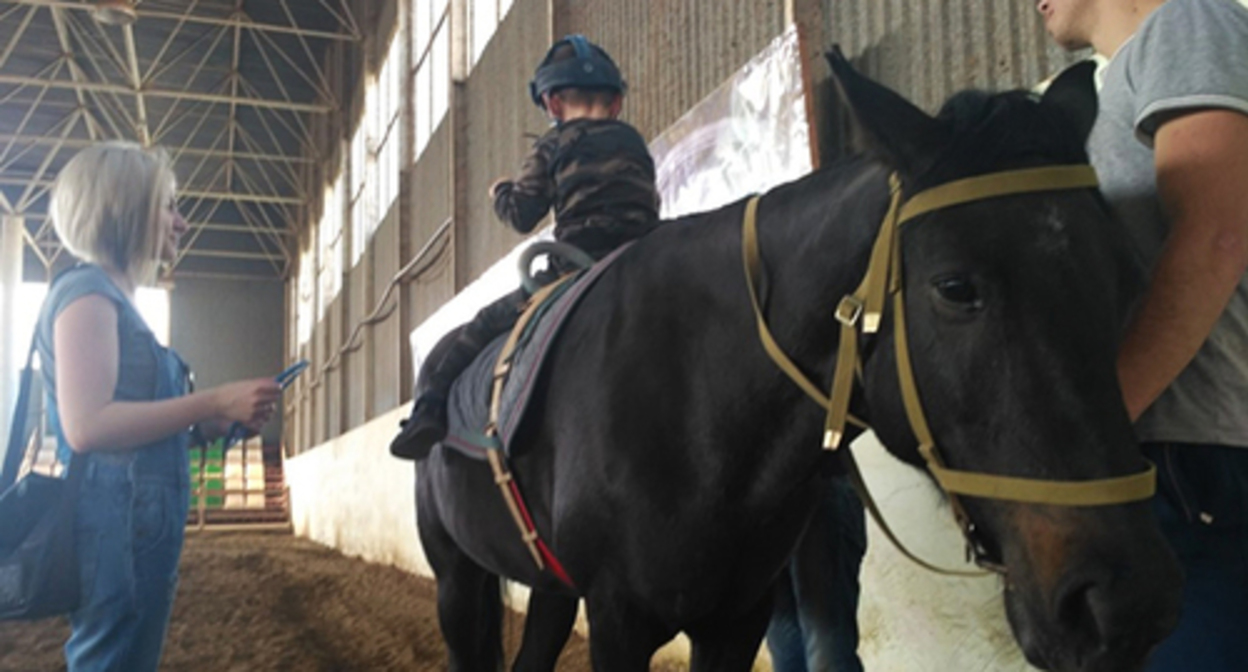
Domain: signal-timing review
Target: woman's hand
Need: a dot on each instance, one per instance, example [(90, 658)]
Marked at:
[(250, 402)]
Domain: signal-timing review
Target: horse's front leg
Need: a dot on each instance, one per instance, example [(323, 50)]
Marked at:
[(730, 645), (546, 628), (623, 637)]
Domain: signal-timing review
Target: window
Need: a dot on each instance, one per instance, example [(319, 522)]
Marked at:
[(151, 302), (153, 305), (305, 309), (387, 127), (363, 217), (27, 299), (431, 72), (484, 20), (329, 248)]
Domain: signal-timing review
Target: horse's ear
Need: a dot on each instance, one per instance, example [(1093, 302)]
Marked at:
[(901, 135), (1073, 93)]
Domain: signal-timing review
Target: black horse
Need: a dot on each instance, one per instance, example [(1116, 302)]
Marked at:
[(672, 467)]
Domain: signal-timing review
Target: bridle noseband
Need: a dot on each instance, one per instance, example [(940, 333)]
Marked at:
[(862, 310)]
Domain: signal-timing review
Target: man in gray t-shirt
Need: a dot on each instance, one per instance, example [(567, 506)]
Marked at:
[(1171, 148)]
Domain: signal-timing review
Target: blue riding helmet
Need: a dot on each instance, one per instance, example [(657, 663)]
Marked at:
[(592, 68)]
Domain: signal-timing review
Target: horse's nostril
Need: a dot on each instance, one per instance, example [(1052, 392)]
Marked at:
[(1110, 622), (1081, 613)]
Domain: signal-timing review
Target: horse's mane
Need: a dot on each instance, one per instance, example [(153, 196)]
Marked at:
[(993, 131)]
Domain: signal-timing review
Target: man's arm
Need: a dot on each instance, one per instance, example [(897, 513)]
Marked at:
[(523, 202), (1202, 180)]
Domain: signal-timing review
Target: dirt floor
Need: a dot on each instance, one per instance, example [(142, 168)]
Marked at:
[(253, 602)]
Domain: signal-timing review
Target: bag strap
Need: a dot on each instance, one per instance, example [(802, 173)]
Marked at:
[(17, 431)]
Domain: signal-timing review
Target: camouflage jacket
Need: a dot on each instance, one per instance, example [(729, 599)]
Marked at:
[(599, 178)]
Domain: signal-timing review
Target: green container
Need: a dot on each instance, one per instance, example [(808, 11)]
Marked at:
[(214, 454), (212, 470), (195, 455)]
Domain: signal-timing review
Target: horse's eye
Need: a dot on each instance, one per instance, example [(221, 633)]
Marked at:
[(959, 291)]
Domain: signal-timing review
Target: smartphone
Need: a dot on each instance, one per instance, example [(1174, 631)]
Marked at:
[(288, 376)]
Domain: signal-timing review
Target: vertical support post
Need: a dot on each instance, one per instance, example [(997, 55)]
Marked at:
[(812, 24), (552, 25), (460, 65), (407, 201), (10, 343)]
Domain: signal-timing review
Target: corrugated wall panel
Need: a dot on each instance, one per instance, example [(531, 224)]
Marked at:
[(334, 378), (498, 127), (930, 49), (384, 336), (672, 52), (356, 367), (222, 329), (431, 203)]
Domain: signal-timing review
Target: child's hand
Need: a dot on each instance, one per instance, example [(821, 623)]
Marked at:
[(498, 184)]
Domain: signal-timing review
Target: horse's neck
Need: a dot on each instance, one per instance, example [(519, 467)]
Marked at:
[(816, 236)]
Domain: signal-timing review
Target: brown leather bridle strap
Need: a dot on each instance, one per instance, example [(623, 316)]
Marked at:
[(753, 269), (864, 308)]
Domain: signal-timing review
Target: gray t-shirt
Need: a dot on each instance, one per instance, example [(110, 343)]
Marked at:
[(1187, 55)]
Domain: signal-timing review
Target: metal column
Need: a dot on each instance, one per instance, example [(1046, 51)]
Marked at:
[(10, 343)]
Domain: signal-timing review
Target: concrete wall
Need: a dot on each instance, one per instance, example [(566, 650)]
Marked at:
[(499, 124), (225, 330), (930, 49), (672, 53)]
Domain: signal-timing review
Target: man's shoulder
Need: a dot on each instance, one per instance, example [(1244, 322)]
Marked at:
[(1175, 19)]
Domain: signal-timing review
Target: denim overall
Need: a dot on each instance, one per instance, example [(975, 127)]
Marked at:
[(814, 623), (131, 520)]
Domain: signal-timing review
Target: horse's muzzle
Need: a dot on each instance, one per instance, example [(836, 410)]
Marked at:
[(1112, 599)]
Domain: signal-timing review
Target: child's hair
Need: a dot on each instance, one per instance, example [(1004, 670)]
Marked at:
[(106, 205), (580, 95)]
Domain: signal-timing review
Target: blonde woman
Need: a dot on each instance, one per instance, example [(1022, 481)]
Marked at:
[(118, 401)]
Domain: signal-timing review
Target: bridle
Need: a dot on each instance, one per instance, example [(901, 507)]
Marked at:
[(861, 311)]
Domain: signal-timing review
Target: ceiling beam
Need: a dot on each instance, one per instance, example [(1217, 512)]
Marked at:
[(240, 229), (235, 19), (136, 80), (182, 193), (20, 80), (186, 151), (233, 254), (62, 36)]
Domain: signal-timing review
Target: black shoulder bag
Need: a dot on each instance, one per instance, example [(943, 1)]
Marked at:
[(38, 559)]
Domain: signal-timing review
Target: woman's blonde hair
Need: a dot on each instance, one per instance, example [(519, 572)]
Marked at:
[(106, 206)]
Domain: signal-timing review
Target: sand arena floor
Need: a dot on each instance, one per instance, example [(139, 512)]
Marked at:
[(253, 602)]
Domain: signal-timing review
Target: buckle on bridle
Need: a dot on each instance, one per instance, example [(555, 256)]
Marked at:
[(849, 310)]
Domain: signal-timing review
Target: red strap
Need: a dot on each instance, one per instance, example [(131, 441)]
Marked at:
[(551, 561)]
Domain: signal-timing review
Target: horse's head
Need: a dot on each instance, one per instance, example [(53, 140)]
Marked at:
[(1014, 307)]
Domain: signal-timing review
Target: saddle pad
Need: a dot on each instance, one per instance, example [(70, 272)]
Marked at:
[(468, 408)]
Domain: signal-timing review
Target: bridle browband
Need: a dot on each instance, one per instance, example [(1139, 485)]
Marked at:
[(863, 308)]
